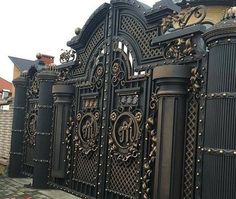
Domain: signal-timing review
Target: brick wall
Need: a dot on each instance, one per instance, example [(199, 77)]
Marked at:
[(6, 117)]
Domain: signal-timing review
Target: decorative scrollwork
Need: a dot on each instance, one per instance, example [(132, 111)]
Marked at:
[(195, 81), (97, 79), (33, 90), (151, 130), (150, 160), (179, 49), (87, 132), (67, 56), (118, 74), (63, 74), (124, 138), (154, 100), (69, 130), (182, 19)]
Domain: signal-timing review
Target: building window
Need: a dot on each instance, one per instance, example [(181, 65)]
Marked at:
[(5, 94)]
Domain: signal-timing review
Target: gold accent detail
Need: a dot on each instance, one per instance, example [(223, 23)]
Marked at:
[(79, 116), (113, 116), (182, 19), (138, 116), (179, 49)]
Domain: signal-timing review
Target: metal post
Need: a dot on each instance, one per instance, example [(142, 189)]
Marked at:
[(172, 82), (15, 163), (44, 129)]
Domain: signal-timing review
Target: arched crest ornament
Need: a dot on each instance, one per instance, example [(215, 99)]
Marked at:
[(87, 132), (125, 135), (68, 56)]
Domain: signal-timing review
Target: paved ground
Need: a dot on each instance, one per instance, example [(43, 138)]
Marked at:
[(12, 188)]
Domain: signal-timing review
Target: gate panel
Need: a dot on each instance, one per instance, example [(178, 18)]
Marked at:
[(88, 131), (112, 154), (126, 127)]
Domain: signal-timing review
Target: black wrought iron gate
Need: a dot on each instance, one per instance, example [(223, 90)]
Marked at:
[(132, 116), (111, 103)]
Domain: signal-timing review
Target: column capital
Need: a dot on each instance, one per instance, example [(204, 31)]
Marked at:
[(61, 89), (63, 93), (20, 81), (46, 75), (172, 79)]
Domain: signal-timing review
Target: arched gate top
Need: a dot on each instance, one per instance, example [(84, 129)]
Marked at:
[(79, 41)]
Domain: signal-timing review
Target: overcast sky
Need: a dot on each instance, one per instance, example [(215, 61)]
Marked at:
[(31, 26)]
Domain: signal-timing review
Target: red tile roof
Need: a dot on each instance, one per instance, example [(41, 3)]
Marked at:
[(4, 84)]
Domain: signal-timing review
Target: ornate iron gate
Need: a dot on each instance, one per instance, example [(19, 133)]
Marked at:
[(111, 101), (132, 111)]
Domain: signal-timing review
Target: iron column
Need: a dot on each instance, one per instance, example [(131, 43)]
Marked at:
[(44, 129), (172, 82), (16, 153)]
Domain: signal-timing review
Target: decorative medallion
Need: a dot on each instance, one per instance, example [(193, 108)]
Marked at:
[(124, 138), (87, 132), (31, 127)]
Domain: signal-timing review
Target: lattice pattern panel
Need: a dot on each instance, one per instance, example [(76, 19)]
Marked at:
[(191, 136), (85, 170), (123, 179), (143, 38), (84, 57)]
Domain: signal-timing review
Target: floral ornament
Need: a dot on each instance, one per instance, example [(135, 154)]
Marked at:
[(179, 48), (195, 81)]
